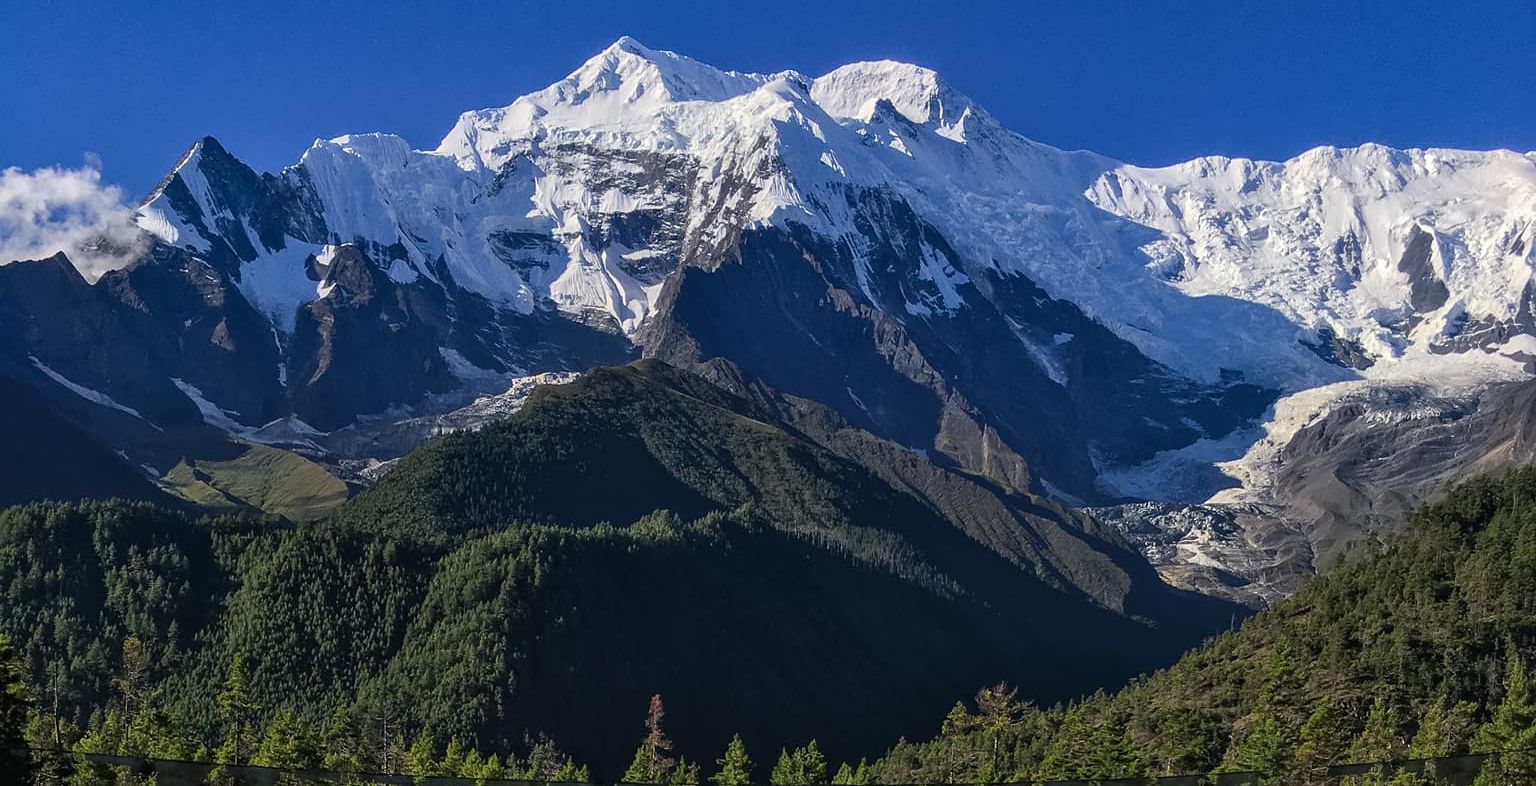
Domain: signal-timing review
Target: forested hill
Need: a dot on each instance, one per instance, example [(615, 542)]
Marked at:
[(1420, 651), (529, 580), (621, 442)]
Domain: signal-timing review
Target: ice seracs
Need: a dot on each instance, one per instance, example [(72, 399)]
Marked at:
[(1329, 237)]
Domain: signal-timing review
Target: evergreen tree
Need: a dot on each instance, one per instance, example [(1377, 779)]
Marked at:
[(810, 764), (1512, 727), (491, 769), (1181, 740), (785, 773), (288, 743), (237, 711), (653, 762), (639, 770), (1322, 740), (686, 773), (1071, 747), (958, 722), (470, 765), (158, 733), (340, 748), (1445, 730), (16, 765), (1379, 741), (1268, 747), (421, 759), (997, 710), (656, 739), (452, 763), (132, 681), (1110, 752), (735, 765)]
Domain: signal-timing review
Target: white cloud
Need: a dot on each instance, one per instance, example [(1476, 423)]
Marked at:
[(46, 211)]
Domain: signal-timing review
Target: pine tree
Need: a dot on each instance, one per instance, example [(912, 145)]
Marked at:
[(287, 743), (958, 722), (1379, 741), (1183, 740), (640, 767), (686, 773), (652, 762), (656, 739), (1070, 748), (470, 765), (543, 761), (341, 750), (735, 765), (1268, 748), (132, 681), (1110, 753), (237, 711), (1322, 740), (421, 759), (785, 772), (1445, 730), (997, 709), (452, 764), (15, 706), (491, 769), (810, 764), (1511, 728), (843, 776)]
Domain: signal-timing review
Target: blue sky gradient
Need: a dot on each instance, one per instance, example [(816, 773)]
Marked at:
[(1147, 82)]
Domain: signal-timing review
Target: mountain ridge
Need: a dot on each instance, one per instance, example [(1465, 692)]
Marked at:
[(872, 239)]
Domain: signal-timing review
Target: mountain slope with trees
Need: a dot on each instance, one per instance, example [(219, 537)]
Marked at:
[(1420, 651), (639, 531)]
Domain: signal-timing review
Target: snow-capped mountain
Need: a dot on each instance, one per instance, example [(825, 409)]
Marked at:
[(1054, 320)]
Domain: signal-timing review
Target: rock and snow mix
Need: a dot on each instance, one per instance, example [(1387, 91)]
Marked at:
[(588, 194)]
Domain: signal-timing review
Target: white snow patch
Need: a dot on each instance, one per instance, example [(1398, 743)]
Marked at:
[(93, 396), (212, 414)]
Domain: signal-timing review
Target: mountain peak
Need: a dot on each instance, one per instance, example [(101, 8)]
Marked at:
[(919, 94), (641, 75)]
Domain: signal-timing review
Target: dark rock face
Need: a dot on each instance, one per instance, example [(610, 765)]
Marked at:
[(1000, 380), (367, 345), (1426, 291), (370, 345), (1340, 351), (273, 207), (1487, 333)]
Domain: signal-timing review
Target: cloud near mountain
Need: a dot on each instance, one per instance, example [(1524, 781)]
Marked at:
[(51, 210)]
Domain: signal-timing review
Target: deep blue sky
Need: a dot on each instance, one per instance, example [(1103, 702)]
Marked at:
[(1151, 82)]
